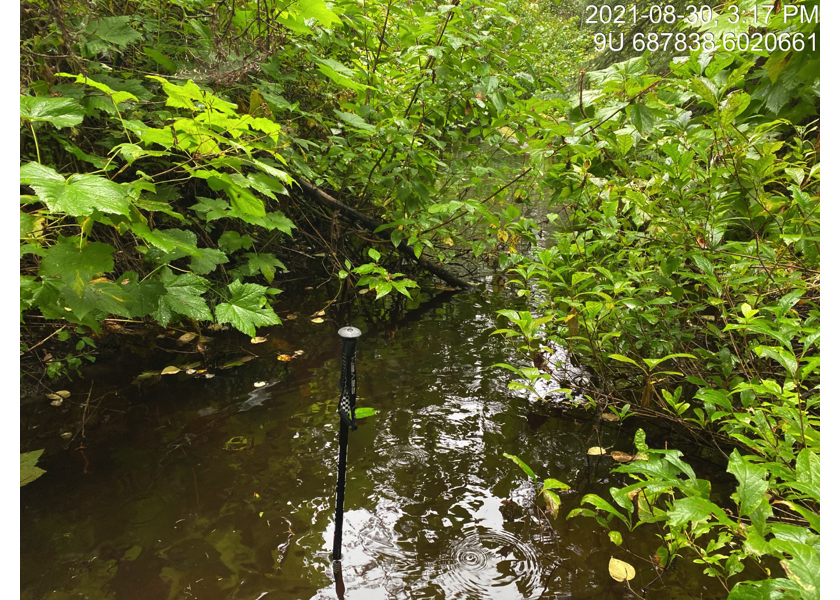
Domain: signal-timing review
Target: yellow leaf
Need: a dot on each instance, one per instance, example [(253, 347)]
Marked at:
[(298, 352), (63, 393), (608, 416), (259, 384), (291, 317), (258, 340), (596, 451), (620, 570), (318, 320), (170, 371), (503, 235), (320, 313), (186, 338), (448, 241), (620, 456), (284, 357)]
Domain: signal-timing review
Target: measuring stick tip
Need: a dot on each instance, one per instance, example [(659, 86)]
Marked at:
[(349, 332)]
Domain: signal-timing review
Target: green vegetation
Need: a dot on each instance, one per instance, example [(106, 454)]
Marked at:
[(177, 162)]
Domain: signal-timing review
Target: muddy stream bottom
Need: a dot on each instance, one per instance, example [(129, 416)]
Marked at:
[(212, 488)]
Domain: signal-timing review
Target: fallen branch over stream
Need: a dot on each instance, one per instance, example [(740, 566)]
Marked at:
[(372, 225)]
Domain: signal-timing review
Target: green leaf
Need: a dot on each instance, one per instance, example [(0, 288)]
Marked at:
[(626, 359), (231, 241), (61, 112), (161, 59), (522, 465), (115, 30), (362, 413), (356, 121), (79, 195), (692, 509), (246, 309), (265, 263), (183, 297), (334, 70), (752, 482), (207, 260), (74, 266), (615, 538), (642, 118), (28, 471), (554, 484)]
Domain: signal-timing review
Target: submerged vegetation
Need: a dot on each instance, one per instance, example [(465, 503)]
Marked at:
[(180, 164)]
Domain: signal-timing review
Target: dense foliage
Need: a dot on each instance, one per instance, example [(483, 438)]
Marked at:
[(167, 154)]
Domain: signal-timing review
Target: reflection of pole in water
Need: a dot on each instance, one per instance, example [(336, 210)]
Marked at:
[(339, 580), (347, 414)]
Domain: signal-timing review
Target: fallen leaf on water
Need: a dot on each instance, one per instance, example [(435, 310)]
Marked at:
[(190, 371), (66, 435), (365, 291), (258, 340), (608, 416), (298, 352), (186, 338), (209, 375), (58, 402), (284, 357), (320, 313), (621, 571), (170, 371), (318, 320), (596, 451), (308, 288), (291, 317), (620, 456), (63, 393), (259, 384)]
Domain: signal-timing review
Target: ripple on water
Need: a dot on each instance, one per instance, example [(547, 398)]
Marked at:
[(490, 564), (401, 457)]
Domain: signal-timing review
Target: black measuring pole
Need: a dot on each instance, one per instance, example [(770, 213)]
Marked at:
[(347, 414)]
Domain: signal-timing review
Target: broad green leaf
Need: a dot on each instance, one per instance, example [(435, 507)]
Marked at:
[(334, 70), (265, 263), (752, 482), (28, 471), (554, 484), (642, 118), (246, 308), (77, 196), (115, 30), (363, 412), (207, 261), (76, 267), (626, 359), (528, 471), (183, 297), (61, 112), (161, 59), (692, 510), (356, 121)]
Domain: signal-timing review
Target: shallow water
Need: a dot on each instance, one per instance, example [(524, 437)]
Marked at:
[(214, 489)]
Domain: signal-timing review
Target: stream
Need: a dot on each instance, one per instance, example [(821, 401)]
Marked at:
[(183, 486)]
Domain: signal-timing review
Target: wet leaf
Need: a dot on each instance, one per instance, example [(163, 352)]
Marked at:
[(308, 288), (186, 338), (209, 375), (28, 471), (552, 501), (620, 456), (258, 340), (320, 313), (259, 384), (608, 416), (528, 471), (298, 352), (284, 357), (615, 538), (66, 435), (58, 402), (190, 371), (554, 484), (362, 412), (291, 317), (170, 371), (63, 393), (621, 571), (596, 451), (318, 320)]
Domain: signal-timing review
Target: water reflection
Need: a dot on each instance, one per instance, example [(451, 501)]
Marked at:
[(214, 490)]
